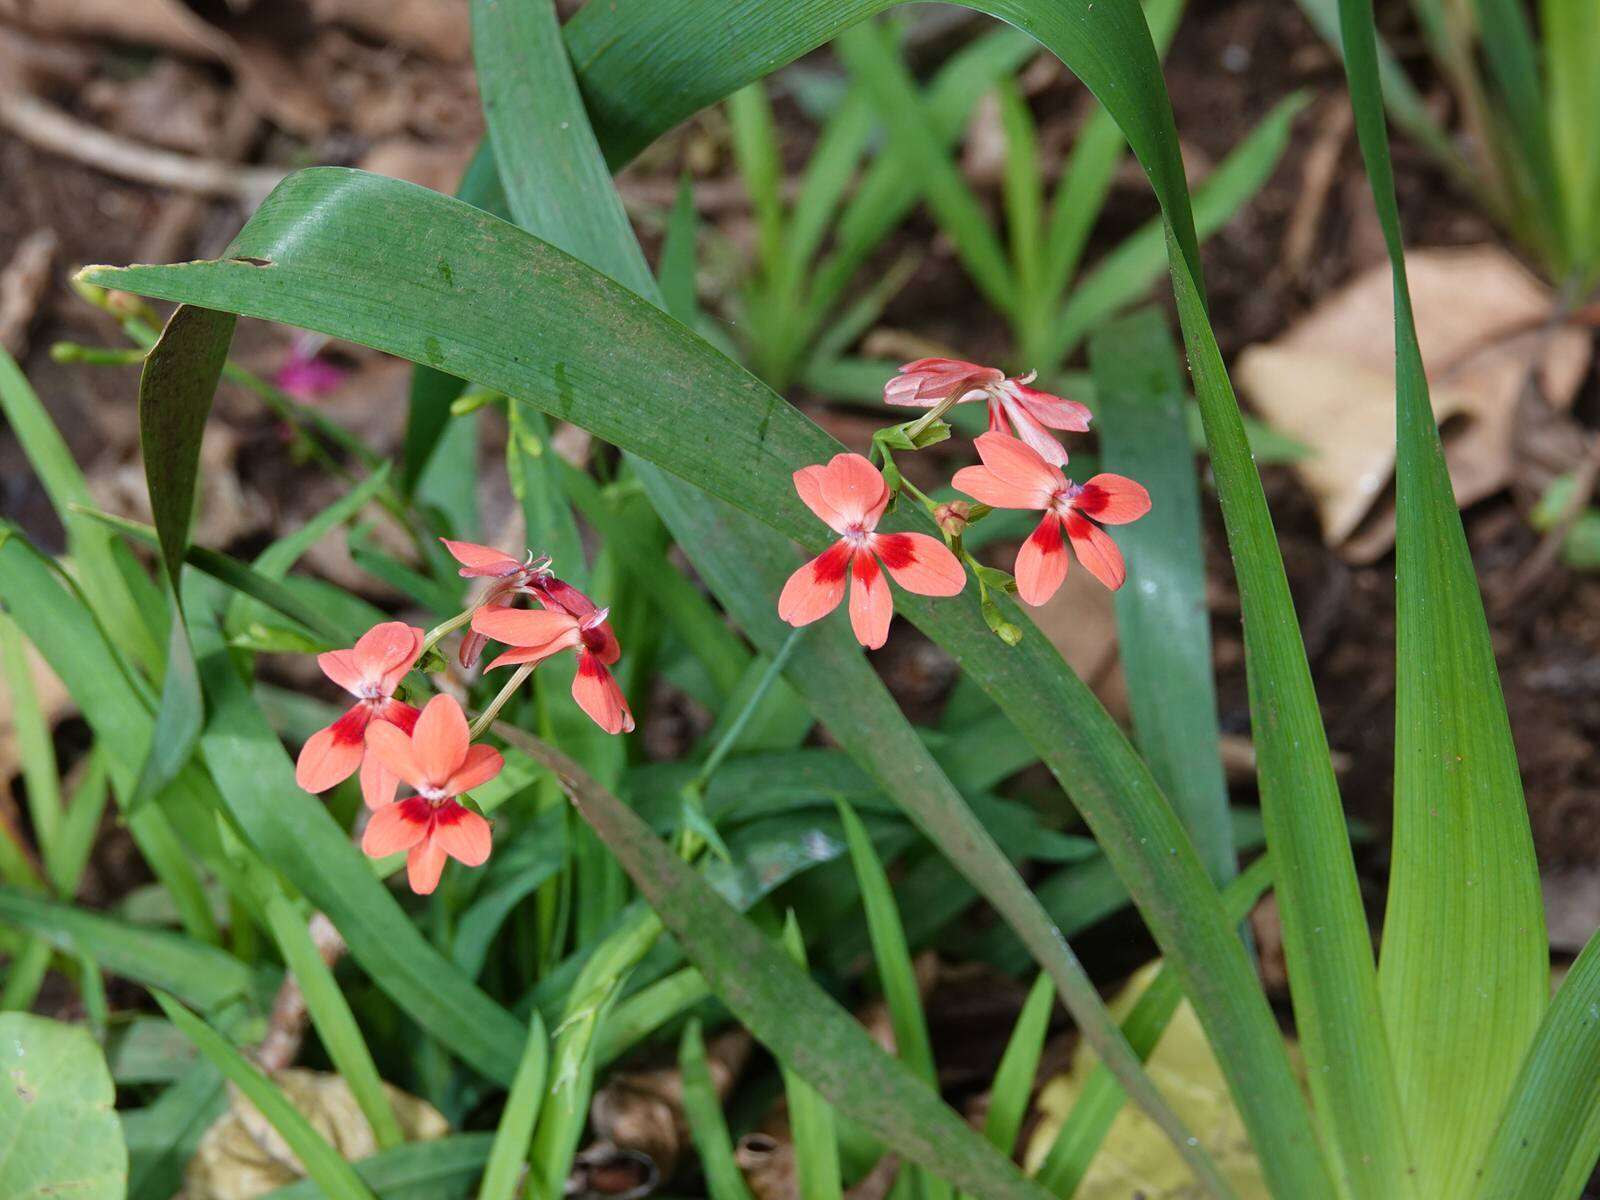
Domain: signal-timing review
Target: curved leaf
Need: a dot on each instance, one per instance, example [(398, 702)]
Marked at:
[(1464, 969)]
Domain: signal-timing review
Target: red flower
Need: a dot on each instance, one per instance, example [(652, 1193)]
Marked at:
[(931, 381), (1015, 476), (539, 633), (437, 760), (850, 495), (370, 672)]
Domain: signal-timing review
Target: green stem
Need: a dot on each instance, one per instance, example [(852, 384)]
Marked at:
[(487, 716)]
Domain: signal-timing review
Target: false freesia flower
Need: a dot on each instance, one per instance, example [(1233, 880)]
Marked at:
[(1016, 476), (437, 759), (306, 376), (850, 495), (511, 576), (537, 634), (370, 672), (928, 382)]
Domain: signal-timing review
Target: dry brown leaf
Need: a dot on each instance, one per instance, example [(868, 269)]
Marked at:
[(164, 23), (1329, 382), (242, 1156), (430, 164), (438, 28)]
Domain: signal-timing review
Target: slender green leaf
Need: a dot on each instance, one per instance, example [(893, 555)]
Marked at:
[(708, 1128), (1464, 968), (163, 1135), (322, 1162), (32, 739), (895, 973), (418, 1171), (811, 1124), (511, 1136), (1163, 628), (1548, 1137), (1013, 1078)]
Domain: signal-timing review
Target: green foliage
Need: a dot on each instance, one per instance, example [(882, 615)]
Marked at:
[(62, 1136)]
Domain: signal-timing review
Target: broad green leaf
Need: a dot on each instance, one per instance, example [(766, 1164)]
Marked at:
[(808, 1031), (742, 448), (1464, 971), (61, 1135), (1163, 627), (322, 1163), (1570, 32), (175, 390)]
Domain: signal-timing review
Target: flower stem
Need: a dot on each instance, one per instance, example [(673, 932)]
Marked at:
[(487, 716), (445, 628), (933, 414)]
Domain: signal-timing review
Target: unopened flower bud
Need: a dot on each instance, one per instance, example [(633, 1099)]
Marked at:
[(953, 517)]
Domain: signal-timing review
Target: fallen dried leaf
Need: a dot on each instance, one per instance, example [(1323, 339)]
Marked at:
[(1136, 1159), (1329, 381)]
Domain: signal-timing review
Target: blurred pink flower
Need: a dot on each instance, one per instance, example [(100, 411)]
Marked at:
[(1012, 403)]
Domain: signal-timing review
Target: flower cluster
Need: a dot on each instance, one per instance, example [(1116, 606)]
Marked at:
[(1021, 469), (431, 751)]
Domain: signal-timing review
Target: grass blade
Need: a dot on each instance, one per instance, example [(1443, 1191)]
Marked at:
[(511, 1136), (1013, 1078), (708, 1128), (811, 1124)]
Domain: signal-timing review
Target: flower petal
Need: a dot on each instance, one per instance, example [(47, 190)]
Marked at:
[(482, 764), (1097, 551), (927, 381), (378, 783), (1041, 562), (424, 865), (385, 650), (396, 751), (871, 606), (852, 487), (808, 483), (597, 693), (340, 666), (920, 563), (331, 755), (545, 631), (1055, 411), (462, 834), (479, 560), (558, 593), (1021, 466), (815, 589), (397, 712), (512, 658), (439, 741), (396, 827), (1112, 499), (1034, 434), (984, 486)]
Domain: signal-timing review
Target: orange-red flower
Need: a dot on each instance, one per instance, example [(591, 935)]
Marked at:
[(437, 760), (1016, 476), (1012, 403), (536, 634), (370, 672), (850, 495)]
